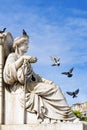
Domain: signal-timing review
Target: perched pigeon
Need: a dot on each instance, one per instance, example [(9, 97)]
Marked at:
[(24, 33), (74, 93), (56, 61), (2, 31), (69, 73)]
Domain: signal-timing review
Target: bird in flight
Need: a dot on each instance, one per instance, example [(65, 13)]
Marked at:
[(24, 33), (69, 73), (74, 93), (2, 31), (56, 61)]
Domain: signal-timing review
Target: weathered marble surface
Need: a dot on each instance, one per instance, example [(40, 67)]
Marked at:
[(58, 126)]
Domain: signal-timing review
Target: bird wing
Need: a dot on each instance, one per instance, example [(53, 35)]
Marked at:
[(55, 59), (70, 71), (77, 91), (70, 93), (52, 58), (64, 73)]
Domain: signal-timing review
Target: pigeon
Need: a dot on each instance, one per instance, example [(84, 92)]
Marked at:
[(74, 93), (56, 61), (24, 33), (69, 73), (2, 31)]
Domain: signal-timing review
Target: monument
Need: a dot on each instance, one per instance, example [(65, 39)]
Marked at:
[(27, 100)]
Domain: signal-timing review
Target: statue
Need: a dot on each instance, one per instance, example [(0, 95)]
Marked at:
[(33, 93)]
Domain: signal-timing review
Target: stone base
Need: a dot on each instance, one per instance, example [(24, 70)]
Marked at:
[(57, 126)]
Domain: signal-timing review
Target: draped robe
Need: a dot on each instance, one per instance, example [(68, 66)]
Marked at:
[(38, 93)]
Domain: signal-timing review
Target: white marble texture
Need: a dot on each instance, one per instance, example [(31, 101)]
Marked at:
[(58, 126)]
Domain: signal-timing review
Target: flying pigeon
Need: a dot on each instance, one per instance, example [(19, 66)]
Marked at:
[(24, 33), (2, 31), (74, 93), (56, 61), (69, 73)]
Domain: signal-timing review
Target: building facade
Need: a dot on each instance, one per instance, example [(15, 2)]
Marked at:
[(82, 107)]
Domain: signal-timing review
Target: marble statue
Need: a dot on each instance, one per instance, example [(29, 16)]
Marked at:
[(35, 94)]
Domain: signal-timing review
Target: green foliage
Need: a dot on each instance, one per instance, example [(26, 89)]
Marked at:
[(80, 115), (85, 119), (77, 113)]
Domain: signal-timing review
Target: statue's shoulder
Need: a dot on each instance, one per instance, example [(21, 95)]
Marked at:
[(11, 57), (12, 54)]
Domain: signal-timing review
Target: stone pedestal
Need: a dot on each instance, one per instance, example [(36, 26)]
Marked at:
[(58, 126)]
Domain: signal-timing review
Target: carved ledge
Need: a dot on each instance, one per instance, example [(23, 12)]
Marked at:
[(58, 126)]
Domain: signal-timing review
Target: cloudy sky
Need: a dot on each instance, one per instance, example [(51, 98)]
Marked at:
[(56, 28)]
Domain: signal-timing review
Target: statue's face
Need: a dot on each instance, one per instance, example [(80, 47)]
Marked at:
[(23, 48)]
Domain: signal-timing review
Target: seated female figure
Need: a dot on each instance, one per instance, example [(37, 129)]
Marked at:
[(35, 94)]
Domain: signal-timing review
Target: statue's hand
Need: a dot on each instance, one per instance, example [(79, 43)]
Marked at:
[(30, 59), (33, 60)]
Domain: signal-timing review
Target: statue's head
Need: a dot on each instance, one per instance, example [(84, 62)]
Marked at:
[(21, 44)]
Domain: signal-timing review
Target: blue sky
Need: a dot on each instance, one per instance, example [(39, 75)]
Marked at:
[(56, 28)]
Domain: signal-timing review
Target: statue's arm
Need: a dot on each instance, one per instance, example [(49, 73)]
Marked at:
[(21, 60)]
